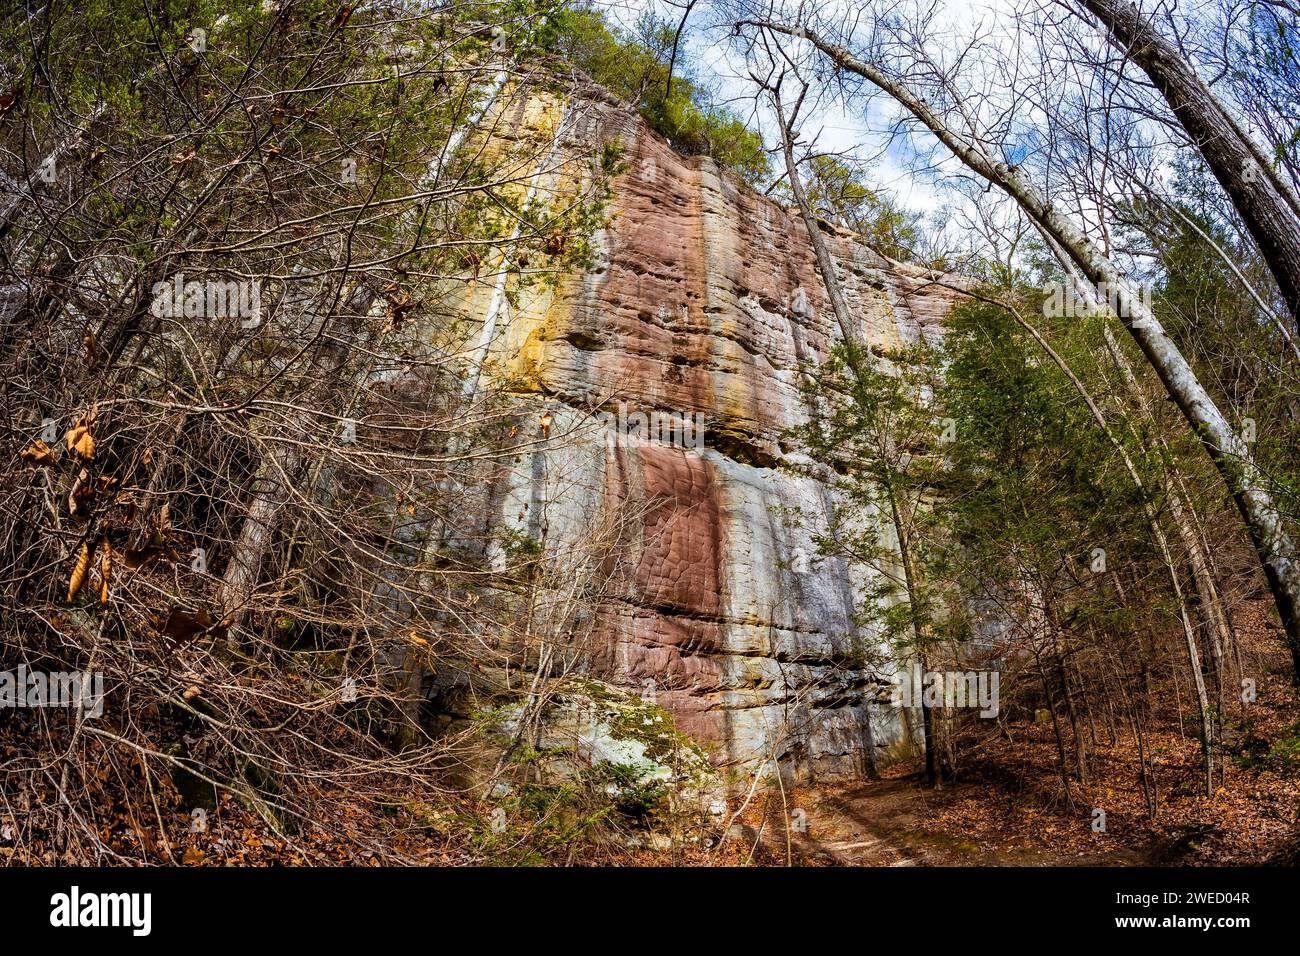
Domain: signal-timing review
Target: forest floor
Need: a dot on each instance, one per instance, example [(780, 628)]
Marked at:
[(1007, 805), (899, 822), (1010, 812)]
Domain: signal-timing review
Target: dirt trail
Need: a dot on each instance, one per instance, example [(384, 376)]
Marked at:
[(882, 823)]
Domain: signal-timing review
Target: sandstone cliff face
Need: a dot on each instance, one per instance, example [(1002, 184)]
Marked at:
[(703, 298)]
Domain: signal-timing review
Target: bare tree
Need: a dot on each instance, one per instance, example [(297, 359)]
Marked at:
[(1231, 455), (1266, 201)]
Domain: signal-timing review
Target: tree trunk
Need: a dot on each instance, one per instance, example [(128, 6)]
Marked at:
[(825, 262), (1067, 694), (271, 486), (1061, 766), (919, 636), (1263, 199), (1273, 545)]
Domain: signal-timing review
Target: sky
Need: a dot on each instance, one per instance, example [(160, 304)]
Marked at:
[(836, 128), (1010, 67)]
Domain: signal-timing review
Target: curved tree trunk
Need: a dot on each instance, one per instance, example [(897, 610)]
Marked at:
[(1261, 196), (1276, 551)]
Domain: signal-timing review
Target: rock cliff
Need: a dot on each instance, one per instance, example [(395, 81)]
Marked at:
[(702, 299)]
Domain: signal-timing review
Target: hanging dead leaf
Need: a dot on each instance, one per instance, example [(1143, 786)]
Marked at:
[(105, 571), (399, 304), (546, 424), (191, 692), (79, 571), (417, 640), (38, 454), (80, 441), (82, 493), (147, 457)]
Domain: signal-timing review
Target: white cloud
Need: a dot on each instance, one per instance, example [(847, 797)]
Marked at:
[(849, 129)]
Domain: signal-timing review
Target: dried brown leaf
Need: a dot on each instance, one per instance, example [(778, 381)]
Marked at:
[(38, 454), (79, 571)]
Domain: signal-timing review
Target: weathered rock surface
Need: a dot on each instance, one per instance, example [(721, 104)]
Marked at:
[(704, 298)]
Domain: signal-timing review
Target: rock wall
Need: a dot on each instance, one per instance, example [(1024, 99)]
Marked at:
[(703, 298)]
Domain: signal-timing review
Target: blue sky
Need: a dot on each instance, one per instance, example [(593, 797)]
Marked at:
[(835, 128)]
